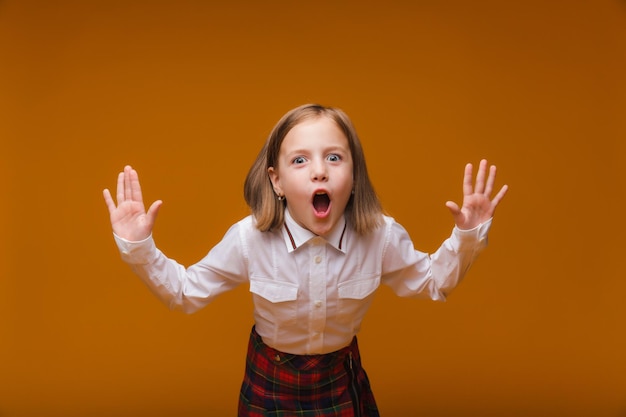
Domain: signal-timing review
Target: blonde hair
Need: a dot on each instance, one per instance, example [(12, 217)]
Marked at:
[(364, 211)]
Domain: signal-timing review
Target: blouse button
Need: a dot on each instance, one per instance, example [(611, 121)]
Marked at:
[(318, 259), (277, 358), (318, 303)]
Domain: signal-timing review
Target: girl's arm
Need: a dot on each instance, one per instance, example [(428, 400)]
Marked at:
[(413, 273), (187, 289)]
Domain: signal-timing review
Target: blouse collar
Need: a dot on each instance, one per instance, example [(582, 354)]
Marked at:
[(296, 235)]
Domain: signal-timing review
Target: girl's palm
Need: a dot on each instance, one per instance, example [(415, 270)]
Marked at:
[(129, 219), (478, 207)]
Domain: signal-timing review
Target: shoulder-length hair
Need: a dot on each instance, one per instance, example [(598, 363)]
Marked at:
[(363, 211)]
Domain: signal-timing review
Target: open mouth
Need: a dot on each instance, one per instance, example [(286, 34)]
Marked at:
[(321, 202)]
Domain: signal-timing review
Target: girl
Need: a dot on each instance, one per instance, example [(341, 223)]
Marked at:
[(313, 252)]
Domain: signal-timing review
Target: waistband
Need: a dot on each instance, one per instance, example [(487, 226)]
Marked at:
[(303, 362)]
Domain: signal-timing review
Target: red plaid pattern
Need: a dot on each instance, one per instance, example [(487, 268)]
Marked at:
[(278, 384)]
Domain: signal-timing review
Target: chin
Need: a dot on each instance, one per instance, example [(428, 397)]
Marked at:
[(321, 229)]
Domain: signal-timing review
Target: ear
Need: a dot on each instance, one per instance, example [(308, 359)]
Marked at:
[(273, 174)]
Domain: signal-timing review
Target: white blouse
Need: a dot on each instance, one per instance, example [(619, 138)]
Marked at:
[(310, 293)]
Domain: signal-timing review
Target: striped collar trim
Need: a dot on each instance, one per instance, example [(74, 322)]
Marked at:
[(296, 236)]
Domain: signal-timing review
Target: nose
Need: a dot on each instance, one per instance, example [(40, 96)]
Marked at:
[(319, 171)]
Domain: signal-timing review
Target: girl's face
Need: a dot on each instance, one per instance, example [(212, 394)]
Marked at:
[(314, 173)]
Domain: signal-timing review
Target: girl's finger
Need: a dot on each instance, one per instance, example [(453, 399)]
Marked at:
[(496, 200), (480, 177), (108, 200), (467, 180), (135, 186), (490, 180), (120, 188), (128, 193)]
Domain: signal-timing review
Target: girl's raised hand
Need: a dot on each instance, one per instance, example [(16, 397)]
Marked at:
[(129, 219), (478, 206)]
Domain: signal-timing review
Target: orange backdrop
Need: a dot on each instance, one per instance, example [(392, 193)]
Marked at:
[(186, 91)]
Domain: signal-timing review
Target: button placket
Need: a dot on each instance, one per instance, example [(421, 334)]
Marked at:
[(317, 288)]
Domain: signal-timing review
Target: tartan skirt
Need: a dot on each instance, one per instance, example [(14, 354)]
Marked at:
[(278, 384)]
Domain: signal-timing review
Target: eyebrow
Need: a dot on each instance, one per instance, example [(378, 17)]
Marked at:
[(333, 148)]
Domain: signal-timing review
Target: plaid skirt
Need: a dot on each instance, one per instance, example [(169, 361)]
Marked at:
[(278, 384)]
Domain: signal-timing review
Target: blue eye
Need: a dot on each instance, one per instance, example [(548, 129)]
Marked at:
[(299, 160), (334, 158)]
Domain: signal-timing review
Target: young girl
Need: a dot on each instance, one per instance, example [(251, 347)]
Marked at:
[(313, 252)]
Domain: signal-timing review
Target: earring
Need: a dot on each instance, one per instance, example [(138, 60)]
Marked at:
[(280, 197)]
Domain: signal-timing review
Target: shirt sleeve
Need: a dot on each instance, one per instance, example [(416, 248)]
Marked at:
[(187, 289), (411, 273)]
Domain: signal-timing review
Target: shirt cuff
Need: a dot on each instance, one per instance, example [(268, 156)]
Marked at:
[(478, 233), (136, 252)]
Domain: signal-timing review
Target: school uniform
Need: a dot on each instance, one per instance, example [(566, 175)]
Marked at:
[(310, 296)]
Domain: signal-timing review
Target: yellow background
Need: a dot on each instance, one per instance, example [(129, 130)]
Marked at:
[(186, 91)]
